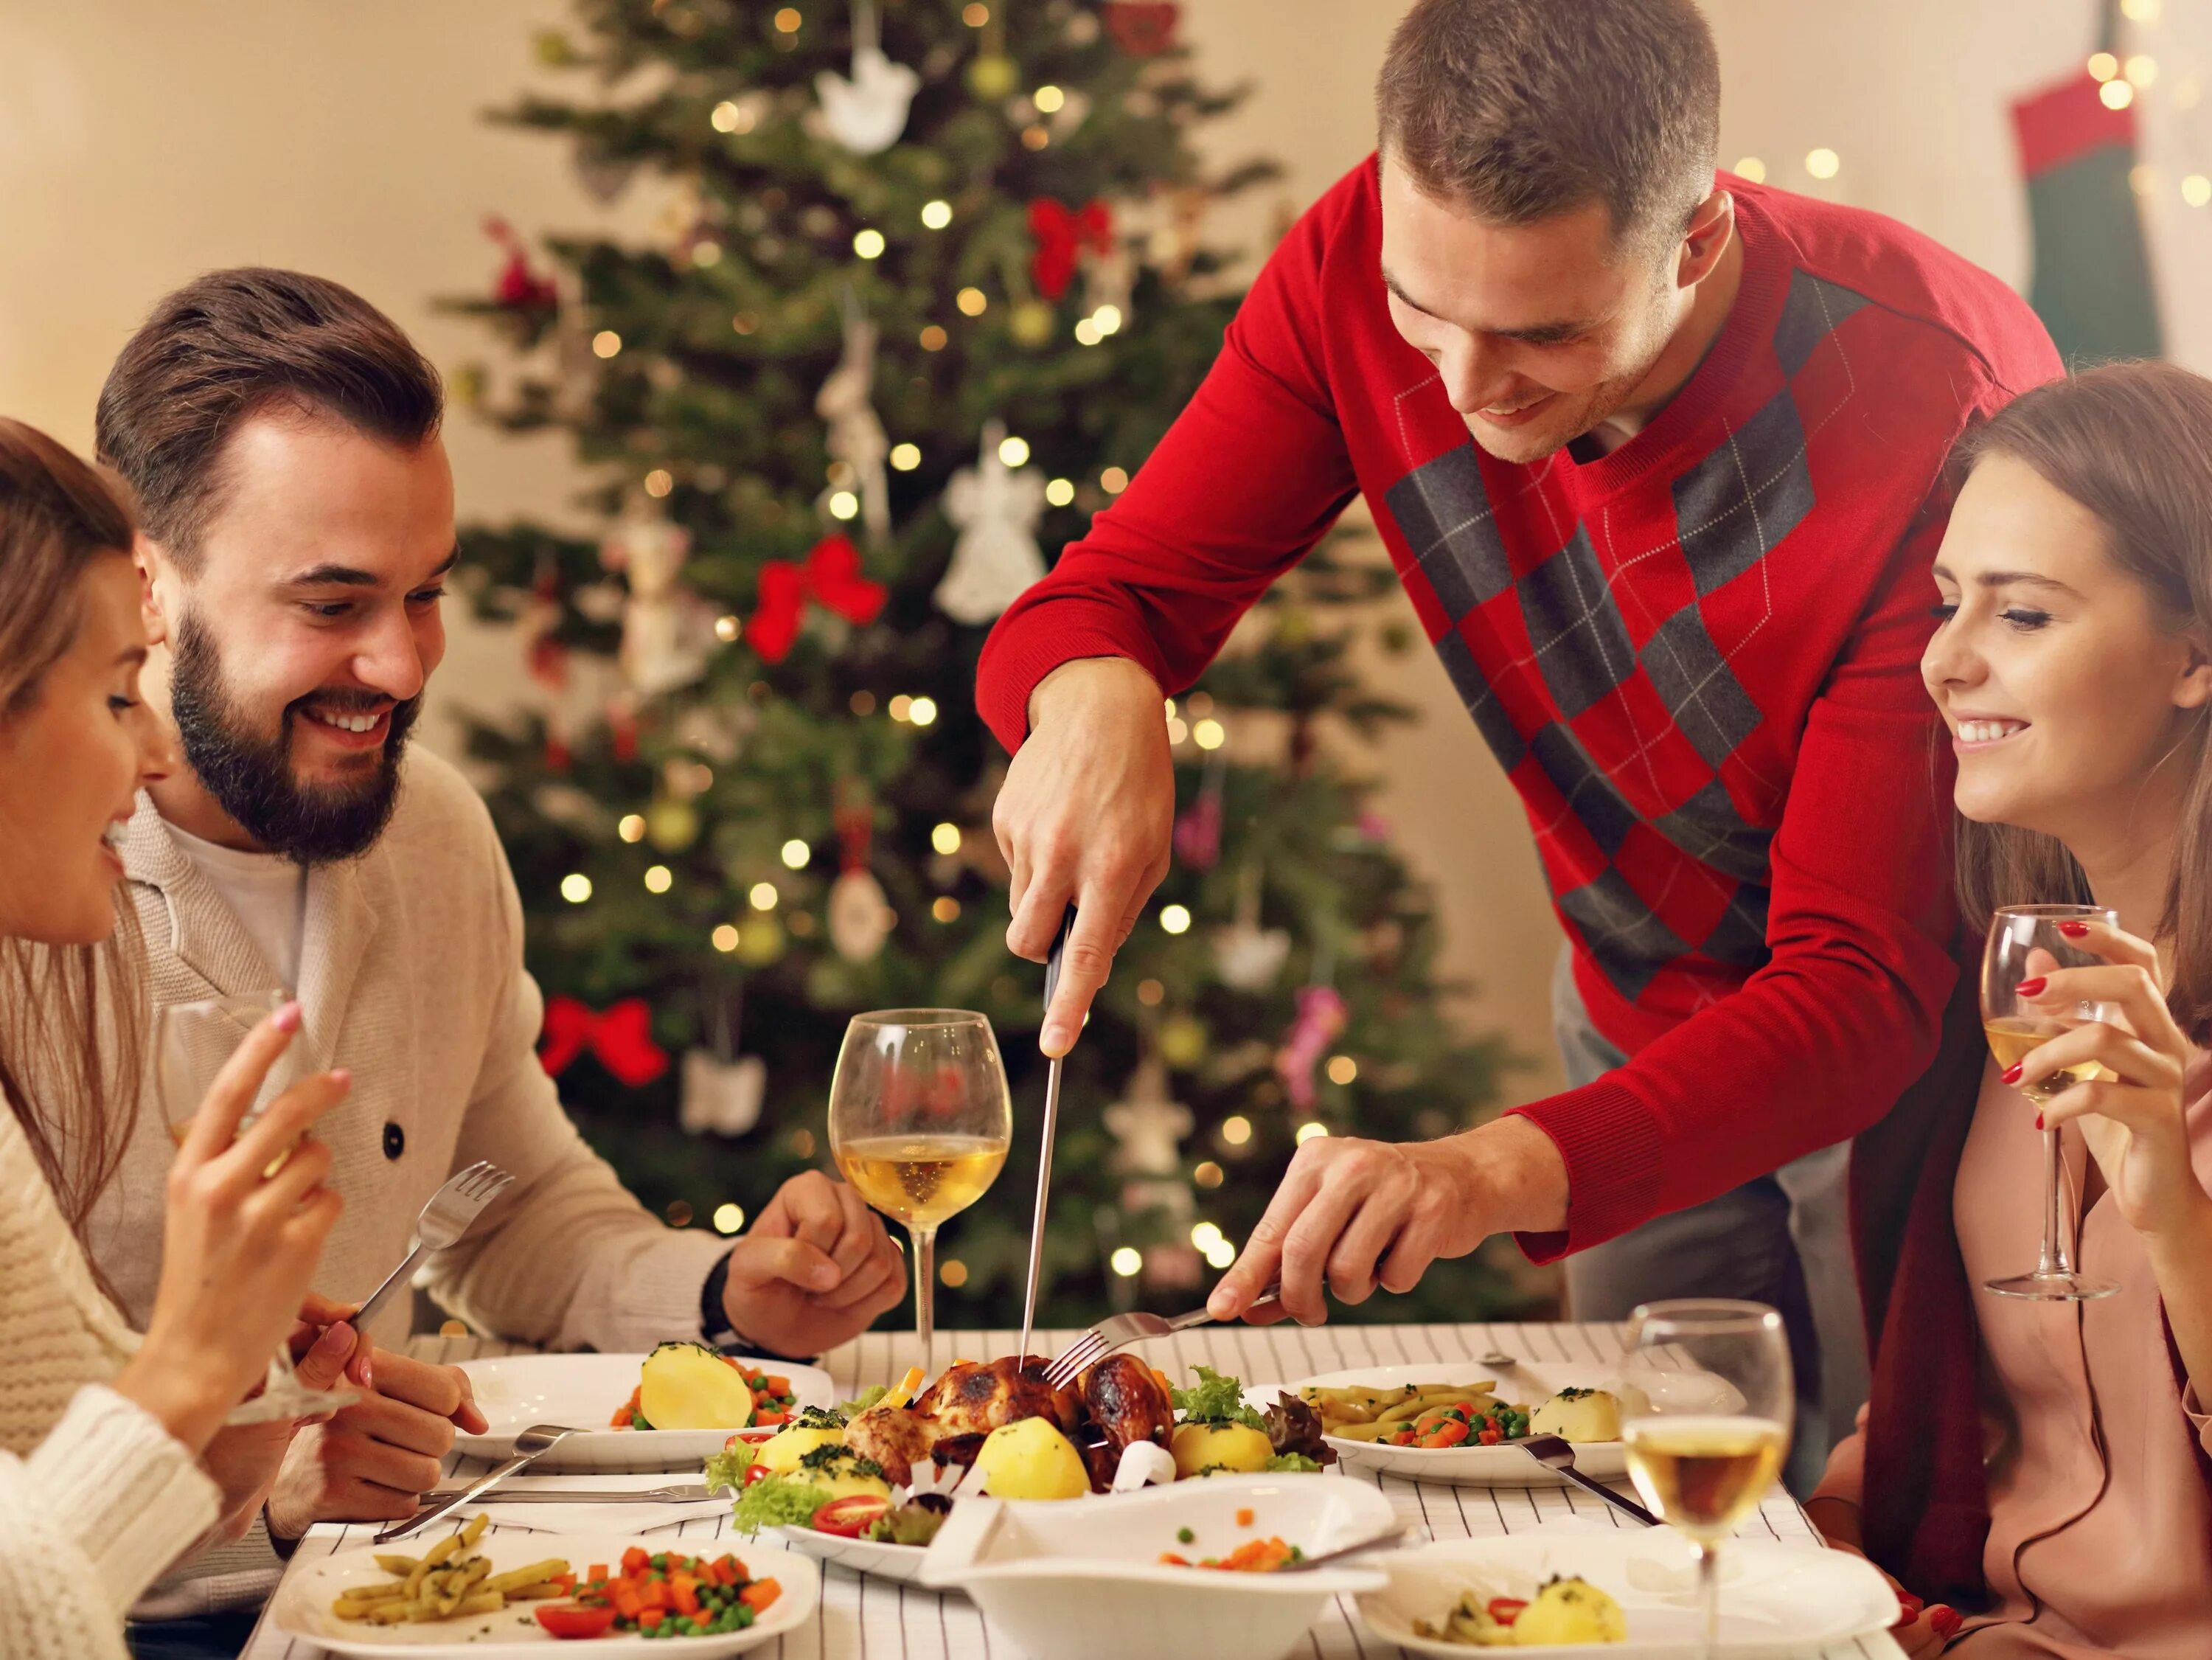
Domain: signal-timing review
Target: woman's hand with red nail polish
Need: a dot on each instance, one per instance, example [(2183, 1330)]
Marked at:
[(2034, 988)]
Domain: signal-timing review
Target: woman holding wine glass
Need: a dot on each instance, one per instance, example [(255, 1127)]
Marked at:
[(2036, 1461), (113, 1461)]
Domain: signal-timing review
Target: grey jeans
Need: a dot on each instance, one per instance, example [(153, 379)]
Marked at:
[(1783, 1239)]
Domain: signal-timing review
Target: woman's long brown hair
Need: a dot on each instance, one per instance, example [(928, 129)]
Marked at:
[(71, 1017), (2131, 442)]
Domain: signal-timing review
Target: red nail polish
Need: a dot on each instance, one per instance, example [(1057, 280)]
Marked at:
[(2030, 987), (2075, 930), (1945, 1621), (2039, 1121), (2011, 1074)]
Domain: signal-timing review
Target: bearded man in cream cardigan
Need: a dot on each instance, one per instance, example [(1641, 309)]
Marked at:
[(282, 436)]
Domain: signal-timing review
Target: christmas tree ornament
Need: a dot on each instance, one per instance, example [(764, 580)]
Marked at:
[(545, 659), (620, 1039), (995, 558), (993, 75), (1246, 956), (1143, 28), (761, 939), (831, 578), (1149, 1125), (867, 112), (1110, 279), (722, 1093), (1198, 828), (1321, 1020), (518, 290), (1063, 236), (1183, 1041), (861, 915), (856, 439), (604, 177), (671, 823), (1032, 323), (666, 635), (1174, 241)]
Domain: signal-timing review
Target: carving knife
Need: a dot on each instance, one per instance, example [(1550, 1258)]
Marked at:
[(1044, 1153)]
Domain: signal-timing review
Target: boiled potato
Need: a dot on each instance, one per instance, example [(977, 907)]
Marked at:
[(844, 1485), (1578, 1416), (1237, 1447), (1570, 1611), (1029, 1458), (782, 1451)]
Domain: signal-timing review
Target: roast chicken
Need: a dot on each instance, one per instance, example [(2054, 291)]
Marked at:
[(1121, 1400)]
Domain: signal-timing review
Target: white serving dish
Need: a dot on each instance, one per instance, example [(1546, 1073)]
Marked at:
[(880, 1558), (1776, 1599), (301, 1608), (1529, 1383), (1082, 1580), (514, 1391)]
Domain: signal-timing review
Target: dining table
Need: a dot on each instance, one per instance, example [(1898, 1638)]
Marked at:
[(863, 1618)]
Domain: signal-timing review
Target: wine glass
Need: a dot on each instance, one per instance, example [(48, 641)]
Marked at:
[(920, 1121), (1706, 1406), (2024, 943), (192, 1043)]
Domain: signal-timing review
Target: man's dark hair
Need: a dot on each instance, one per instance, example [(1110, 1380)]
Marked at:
[(233, 344), (1517, 110)]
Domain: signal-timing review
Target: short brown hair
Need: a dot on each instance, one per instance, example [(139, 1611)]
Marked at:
[(233, 344), (2131, 442), (70, 1094), (1518, 110)]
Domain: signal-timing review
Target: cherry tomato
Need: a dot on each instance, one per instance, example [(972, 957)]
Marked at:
[(1506, 1609), (575, 1620), (850, 1516)]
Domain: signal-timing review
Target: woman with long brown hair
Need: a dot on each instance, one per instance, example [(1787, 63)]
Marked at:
[(2041, 1471), (105, 1438)]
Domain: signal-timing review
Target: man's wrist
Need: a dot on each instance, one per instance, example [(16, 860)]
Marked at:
[(718, 1322), (1517, 1182), (1082, 676)]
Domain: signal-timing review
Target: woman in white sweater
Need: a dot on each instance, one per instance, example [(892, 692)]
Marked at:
[(113, 1461)]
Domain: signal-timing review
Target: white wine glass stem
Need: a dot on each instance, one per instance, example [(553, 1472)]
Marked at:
[(2055, 1253), (1709, 1599), (925, 1283)]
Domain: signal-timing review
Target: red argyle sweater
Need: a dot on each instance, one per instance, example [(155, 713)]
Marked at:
[(1697, 657)]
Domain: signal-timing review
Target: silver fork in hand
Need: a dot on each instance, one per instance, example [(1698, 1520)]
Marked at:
[(1122, 1329), (451, 1212)]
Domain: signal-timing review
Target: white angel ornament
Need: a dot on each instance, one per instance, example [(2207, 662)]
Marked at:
[(996, 558), (867, 112), (856, 437)]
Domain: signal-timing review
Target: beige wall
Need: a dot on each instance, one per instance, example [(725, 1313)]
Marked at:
[(142, 141)]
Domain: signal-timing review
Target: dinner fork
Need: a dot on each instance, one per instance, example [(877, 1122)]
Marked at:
[(452, 1210), (1123, 1329)]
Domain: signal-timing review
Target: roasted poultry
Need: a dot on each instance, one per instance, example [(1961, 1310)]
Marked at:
[(1121, 1400)]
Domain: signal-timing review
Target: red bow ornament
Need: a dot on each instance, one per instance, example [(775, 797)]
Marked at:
[(622, 1039), (830, 577), (1143, 28), (1064, 235), (518, 288)]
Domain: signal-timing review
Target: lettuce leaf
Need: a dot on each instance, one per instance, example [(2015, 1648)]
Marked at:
[(778, 1501), (1216, 1400)]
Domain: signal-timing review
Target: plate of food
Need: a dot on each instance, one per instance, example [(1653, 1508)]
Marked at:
[(662, 1411), (869, 1484), (1443, 1421), (471, 1592), (1590, 1595), (1191, 1568)]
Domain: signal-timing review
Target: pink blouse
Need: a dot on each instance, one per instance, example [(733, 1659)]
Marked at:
[(2101, 1528)]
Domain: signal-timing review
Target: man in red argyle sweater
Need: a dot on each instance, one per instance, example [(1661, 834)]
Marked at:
[(1658, 456)]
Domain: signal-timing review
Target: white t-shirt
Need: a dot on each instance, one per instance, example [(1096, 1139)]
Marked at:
[(265, 891)]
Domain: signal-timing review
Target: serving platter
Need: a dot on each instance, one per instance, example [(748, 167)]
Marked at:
[(1528, 1383)]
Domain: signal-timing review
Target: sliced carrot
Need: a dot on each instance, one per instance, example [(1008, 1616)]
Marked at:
[(1243, 1518), (634, 1561), (778, 1385), (761, 1595), (598, 1573), (683, 1591), (770, 1417), (651, 1619)]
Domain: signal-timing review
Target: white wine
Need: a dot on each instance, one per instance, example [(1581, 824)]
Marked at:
[(1703, 1475), (2012, 1039), (922, 1179)]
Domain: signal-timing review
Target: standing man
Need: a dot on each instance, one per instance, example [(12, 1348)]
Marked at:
[(1658, 455)]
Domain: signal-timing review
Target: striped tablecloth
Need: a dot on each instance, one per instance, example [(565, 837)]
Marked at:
[(865, 1619)]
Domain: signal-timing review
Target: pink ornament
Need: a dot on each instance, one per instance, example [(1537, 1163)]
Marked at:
[(1322, 1018)]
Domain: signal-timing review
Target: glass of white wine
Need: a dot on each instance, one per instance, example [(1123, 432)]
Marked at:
[(192, 1043), (1706, 1405), (919, 1120), (2026, 943)]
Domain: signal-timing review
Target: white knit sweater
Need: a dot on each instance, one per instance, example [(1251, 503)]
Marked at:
[(96, 1498)]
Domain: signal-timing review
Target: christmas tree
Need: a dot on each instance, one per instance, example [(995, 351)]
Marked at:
[(936, 285)]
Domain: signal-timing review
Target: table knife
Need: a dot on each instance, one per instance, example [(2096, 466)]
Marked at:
[(1044, 1155)]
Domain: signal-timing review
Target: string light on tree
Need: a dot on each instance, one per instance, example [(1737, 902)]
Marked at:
[(1107, 319), (796, 853), (1014, 451), (1209, 734), (936, 216), (1208, 1174), (2139, 11), (2140, 69), (731, 117), (575, 887), (1822, 163), (1125, 1262), (1752, 168), (762, 897), (2196, 190), (1236, 1130), (2116, 94), (971, 302), (724, 939), (728, 1219), (1114, 481), (1060, 492), (1049, 99), (631, 828), (946, 838), (905, 458), (1310, 1131), (659, 879), (1086, 332), (922, 711), (1176, 919), (727, 628), (953, 1272), (2103, 66), (843, 504), (945, 908), (933, 338), (1342, 1069), (868, 244), (788, 20), (659, 483), (605, 343)]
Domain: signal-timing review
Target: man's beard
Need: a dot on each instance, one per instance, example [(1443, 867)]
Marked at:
[(251, 777)]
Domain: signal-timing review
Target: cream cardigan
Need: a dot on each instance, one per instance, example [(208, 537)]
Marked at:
[(96, 1498)]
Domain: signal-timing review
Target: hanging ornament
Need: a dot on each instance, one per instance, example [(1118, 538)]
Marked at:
[(860, 914), (1143, 28), (1174, 241), (1246, 956), (1063, 236), (996, 558), (866, 113), (622, 726), (621, 1039), (545, 659), (1148, 1127), (722, 1093), (664, 632), (1183, 1041), (1032, 323), (671, 823), (1110, 279), (1321, 1020), (761, 940), (856, 439), (830, 577), (993, 75), (1198, 829), (518, 289), (604, 177)]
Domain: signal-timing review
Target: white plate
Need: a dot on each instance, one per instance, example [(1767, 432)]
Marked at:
[(1776, 1599), (302, 1605), (1529, 1384), (881, 1557), (517, 1390), (1083, 1579)]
